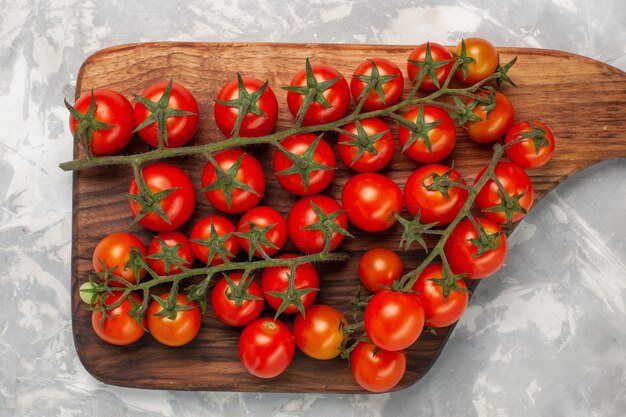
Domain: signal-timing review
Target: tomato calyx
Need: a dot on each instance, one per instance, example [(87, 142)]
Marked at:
[(170, 307), (362, 141), (419, 130), (428, 66), (136, 263), (227, 181), (148, 201), (487, 101), (448, 281), (484, 242), (464, 113), (327, 224), (502, 72), (442, 183), (239, 292), (169, 256), (87, 124), (374, 82), (197, 292), (292, 295), (303, 164), (536, 133), (257, 238), (463, 60), (414, 231), (159, 113), (509, 205), (216, 245)]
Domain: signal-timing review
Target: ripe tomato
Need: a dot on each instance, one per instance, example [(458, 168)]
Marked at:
[(372, 150), (276, 279), (113, 109), (438, 205), (254, 123), (202, 231), (516, 183), (178, 206), (320, 157), (525, 153), (376, 370), (463, 254), (337, 95), (240, 185), (179, 128), (437, 126), (390, 83), (166, 262), (486, 58), (319, 334), (266, 347), (224, 300), (302, 216), (440, 313), (494, 125), (378, 268), (178, 331), (263, 218), (439, 55), (114, 251), (394, 320), (119, 328), (371, 201)]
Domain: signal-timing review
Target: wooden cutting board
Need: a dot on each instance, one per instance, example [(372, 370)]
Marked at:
[(582, 100)]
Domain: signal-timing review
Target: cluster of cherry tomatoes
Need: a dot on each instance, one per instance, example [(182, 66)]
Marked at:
[(162, 198)]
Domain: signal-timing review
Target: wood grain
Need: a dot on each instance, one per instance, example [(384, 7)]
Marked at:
[(582, 100)]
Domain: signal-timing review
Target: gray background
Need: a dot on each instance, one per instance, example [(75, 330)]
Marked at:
[(544, 337)]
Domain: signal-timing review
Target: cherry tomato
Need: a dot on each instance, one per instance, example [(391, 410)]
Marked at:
[(266, 347), (525, 153), (441, 137), (515, 182), (224, 301), (119, 328), (462, 253), (394, 320), (302, 216), (379, 268), (179, 128), (253, 124), (337, 95), (276, 279), (249, 175), (113, 109), (178, 205), (168, 263), (440, 313), (379, 137), (493, 126), (114, 251), (178, 331), (263, 217), (371, 201), (434, 205), (439, 55), (319, 333), (376, 370), (318, 179), (391, 88), (202, 232), (486, 58)]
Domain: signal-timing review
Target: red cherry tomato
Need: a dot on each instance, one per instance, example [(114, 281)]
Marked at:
[(178, 206), (462, 253), (379, 137), (371, 201), (179, 128), (525, 153), (318, 179), (337, 95), (493, 126), (253, 124), (168, 264), (114, 251), (176, 331), (264, 217), (391, 88), (202, 232), (266, 347), (379, 268), (224, 301), (486, 58), (319, 334), (394, 320), (118, 328), (440, 313), (433, 205), (276, 279), (249, 174), (376, 370), (113, 109), (442, 137), (438, 54)]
